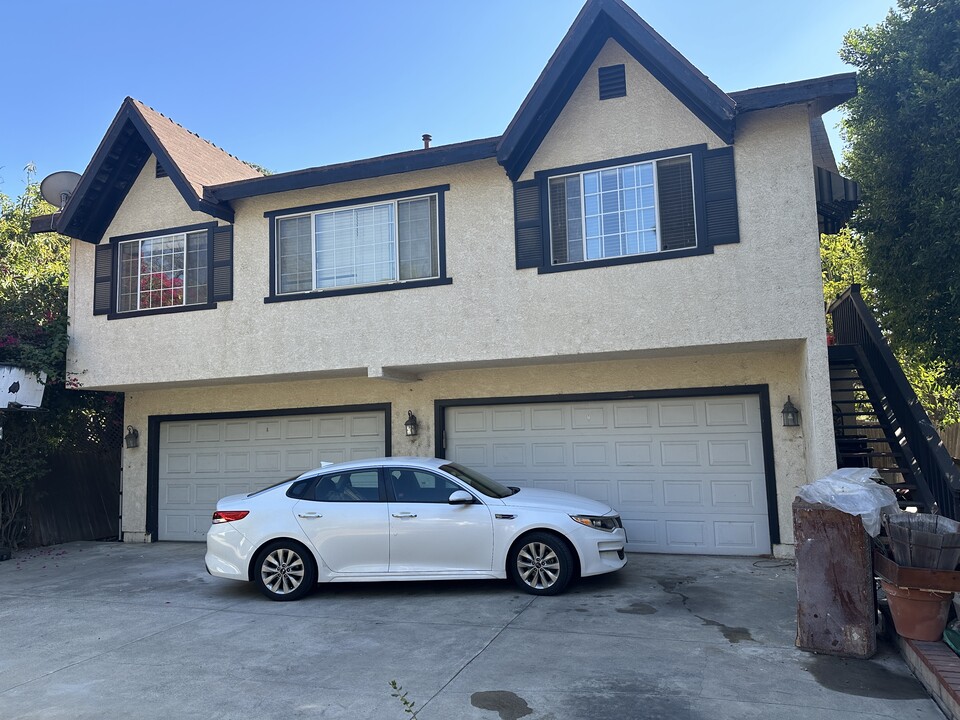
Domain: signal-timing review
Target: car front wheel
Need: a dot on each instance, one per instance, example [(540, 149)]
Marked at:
[(541, 564), (284, 571)]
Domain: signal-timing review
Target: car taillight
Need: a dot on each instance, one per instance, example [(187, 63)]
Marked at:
[(222, 516)]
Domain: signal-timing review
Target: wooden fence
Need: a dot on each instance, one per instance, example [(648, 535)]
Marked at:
[(951, 440), (79, 499)]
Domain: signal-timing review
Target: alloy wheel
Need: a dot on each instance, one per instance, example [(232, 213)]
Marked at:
[(282, 571), (538, 565)]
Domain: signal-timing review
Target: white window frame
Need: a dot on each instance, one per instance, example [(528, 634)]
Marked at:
[(653, 162), (185, 252), (313, 215)]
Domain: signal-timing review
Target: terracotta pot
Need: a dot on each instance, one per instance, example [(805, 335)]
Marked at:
[(918, 614)]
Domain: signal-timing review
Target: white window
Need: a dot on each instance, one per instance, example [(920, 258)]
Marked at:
[(613, 212), (384, 242), (163, 272)]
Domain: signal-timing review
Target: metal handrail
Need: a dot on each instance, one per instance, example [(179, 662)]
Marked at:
[(854, 324)]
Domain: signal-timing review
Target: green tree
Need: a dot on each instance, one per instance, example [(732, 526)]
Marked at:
[(903, 131), (34, 274), (843, 263)]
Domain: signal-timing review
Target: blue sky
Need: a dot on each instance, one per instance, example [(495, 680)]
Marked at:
[(293, 85)]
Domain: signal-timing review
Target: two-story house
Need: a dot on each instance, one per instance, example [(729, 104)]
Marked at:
[(616, 297)]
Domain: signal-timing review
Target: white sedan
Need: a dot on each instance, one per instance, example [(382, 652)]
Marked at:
[(409, 519)]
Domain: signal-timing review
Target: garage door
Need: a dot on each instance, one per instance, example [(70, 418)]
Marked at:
[(204, 460), (686, 474)]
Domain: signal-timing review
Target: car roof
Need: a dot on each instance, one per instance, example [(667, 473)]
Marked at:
[(427, 463)]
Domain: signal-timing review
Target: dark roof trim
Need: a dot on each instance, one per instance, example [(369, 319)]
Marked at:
[(825, 92), (599, 21), (410, 161), (104, 169)]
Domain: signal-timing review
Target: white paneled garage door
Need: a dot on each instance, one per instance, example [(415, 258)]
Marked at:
[(686, 474), (204, 460)]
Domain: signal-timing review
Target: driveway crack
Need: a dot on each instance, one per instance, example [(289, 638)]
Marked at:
[(476, 655)]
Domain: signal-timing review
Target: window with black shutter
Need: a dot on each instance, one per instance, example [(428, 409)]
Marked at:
[(170, 270), (669, 204)]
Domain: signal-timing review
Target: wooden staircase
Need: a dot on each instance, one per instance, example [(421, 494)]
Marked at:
[(866, 429), (878, 420)]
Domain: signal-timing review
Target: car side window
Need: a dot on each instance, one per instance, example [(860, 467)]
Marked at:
[(356, 486), (420, 486)]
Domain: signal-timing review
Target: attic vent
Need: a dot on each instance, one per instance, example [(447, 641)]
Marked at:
[(613, 81), (161, 170)]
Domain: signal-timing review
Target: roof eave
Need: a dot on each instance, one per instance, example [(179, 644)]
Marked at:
[(383, 165), (823, 94)]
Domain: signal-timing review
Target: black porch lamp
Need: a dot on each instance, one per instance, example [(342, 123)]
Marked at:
[(411, 424), (791, 415), (132, 438)]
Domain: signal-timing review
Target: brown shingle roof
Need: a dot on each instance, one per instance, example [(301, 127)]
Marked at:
[(201, 162)]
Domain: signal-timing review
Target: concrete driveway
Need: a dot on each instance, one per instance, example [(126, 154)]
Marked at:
[(96, 630)]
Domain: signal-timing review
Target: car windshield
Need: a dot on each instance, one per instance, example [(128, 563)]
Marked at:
[(478, 481)]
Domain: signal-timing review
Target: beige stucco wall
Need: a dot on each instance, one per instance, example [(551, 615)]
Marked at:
[(749, 313), (778, 367)]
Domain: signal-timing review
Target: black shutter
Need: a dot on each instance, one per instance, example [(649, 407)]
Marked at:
[(528, 224), (223, 263), (720, 194), (103, 280)]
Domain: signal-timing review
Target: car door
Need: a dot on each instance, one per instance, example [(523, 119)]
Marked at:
[(427, 533), (346, 519)]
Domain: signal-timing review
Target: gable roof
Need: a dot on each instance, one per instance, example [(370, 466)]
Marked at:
[(599, 21), (136, 132)]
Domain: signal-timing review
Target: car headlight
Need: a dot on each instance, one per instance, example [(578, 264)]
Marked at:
[(608, 523)]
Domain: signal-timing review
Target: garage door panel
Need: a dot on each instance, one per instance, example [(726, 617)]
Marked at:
[(196, 468), (680, 453), (729, 413), (179, 463), (208, 432), (678, 414), (547, 419), (299, 429), (686, 474), (632, 416)]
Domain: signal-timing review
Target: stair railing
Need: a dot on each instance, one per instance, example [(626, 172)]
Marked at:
[(854, 324)]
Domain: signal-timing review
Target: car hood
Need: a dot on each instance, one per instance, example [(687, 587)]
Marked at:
[(554, 500)]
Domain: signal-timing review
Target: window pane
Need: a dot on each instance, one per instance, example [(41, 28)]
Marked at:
[(293, 254), (419, 486), (566, 220), (161, 272), (360, 486), (355, 246), (417, 237), (196, 276), (675, 193)]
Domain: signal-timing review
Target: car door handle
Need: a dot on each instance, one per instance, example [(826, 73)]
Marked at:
[(404, 515), (310, 515)]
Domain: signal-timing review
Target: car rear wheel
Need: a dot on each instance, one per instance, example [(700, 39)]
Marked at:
[(284, 571), (541, 564)]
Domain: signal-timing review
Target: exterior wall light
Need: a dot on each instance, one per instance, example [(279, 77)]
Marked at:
[(132, 438), (791, 415), (411, 425)]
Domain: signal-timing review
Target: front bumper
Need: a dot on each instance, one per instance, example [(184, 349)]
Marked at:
[(601, 552)]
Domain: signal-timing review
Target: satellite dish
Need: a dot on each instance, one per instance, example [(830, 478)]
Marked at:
[(58, 187)]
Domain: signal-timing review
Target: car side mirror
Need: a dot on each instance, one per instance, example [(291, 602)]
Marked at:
[(460, 497)]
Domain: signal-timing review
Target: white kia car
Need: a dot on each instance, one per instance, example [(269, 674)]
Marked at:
[(409, 519)]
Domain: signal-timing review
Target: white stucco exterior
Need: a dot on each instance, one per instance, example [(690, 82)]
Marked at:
[(748, 314)]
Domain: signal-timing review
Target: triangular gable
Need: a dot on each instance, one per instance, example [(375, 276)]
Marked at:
[(599, 21), (137, 132)]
